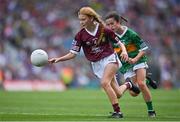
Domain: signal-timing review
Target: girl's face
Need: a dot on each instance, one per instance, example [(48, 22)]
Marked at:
[(112, 24), (85, 21)]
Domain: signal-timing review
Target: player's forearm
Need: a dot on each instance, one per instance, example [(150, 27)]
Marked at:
[(123, 48), (140, 54), (67, 57)]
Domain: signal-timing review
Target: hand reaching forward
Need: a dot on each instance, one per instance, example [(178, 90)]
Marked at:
[(132, 60), (53, 60)]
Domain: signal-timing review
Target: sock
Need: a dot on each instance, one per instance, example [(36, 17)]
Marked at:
[(147, 81), (128, 85), (149, 106), (116, 107)]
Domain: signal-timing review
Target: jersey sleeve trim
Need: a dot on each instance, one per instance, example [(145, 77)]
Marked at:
[(74, 52), (143, 49)]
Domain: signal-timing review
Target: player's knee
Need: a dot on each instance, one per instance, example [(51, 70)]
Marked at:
[(141, 85), (105, 85)]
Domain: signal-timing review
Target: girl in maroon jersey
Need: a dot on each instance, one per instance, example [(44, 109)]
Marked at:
[(93, 38)]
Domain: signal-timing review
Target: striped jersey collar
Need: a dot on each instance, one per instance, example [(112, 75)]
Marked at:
[(125, 28)]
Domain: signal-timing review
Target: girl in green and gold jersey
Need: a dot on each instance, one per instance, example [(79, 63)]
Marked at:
[(135, 67)]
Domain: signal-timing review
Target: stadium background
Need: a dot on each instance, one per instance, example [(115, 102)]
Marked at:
[(51, 25)]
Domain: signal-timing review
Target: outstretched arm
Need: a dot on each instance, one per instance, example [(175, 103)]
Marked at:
[(63, 58)]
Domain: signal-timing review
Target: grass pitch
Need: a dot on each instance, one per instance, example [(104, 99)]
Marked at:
[(85, 105)]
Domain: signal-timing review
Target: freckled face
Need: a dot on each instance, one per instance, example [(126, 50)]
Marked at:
[(84, 20)]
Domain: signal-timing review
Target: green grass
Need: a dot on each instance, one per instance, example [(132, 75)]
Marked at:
[(84, 105)]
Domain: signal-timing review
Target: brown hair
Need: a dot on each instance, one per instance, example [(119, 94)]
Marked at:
[(116, 16)]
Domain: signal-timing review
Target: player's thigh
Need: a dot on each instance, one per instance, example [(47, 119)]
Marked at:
[(109, 72), (140, 75), (133, 79)]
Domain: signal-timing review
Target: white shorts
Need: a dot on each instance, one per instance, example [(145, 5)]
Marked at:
[(131, 72), (99, 66)]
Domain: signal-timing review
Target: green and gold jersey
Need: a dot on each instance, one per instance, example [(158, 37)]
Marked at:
[(134, 44)]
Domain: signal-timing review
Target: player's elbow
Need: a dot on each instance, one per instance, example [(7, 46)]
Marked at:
[(72, 55)]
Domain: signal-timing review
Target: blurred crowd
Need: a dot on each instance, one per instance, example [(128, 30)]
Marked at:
[(51, 25)]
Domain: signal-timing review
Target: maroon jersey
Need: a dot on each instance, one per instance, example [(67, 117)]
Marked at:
[(93, 51)]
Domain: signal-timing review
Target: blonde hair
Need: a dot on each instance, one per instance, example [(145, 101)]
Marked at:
[(90, 12)]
